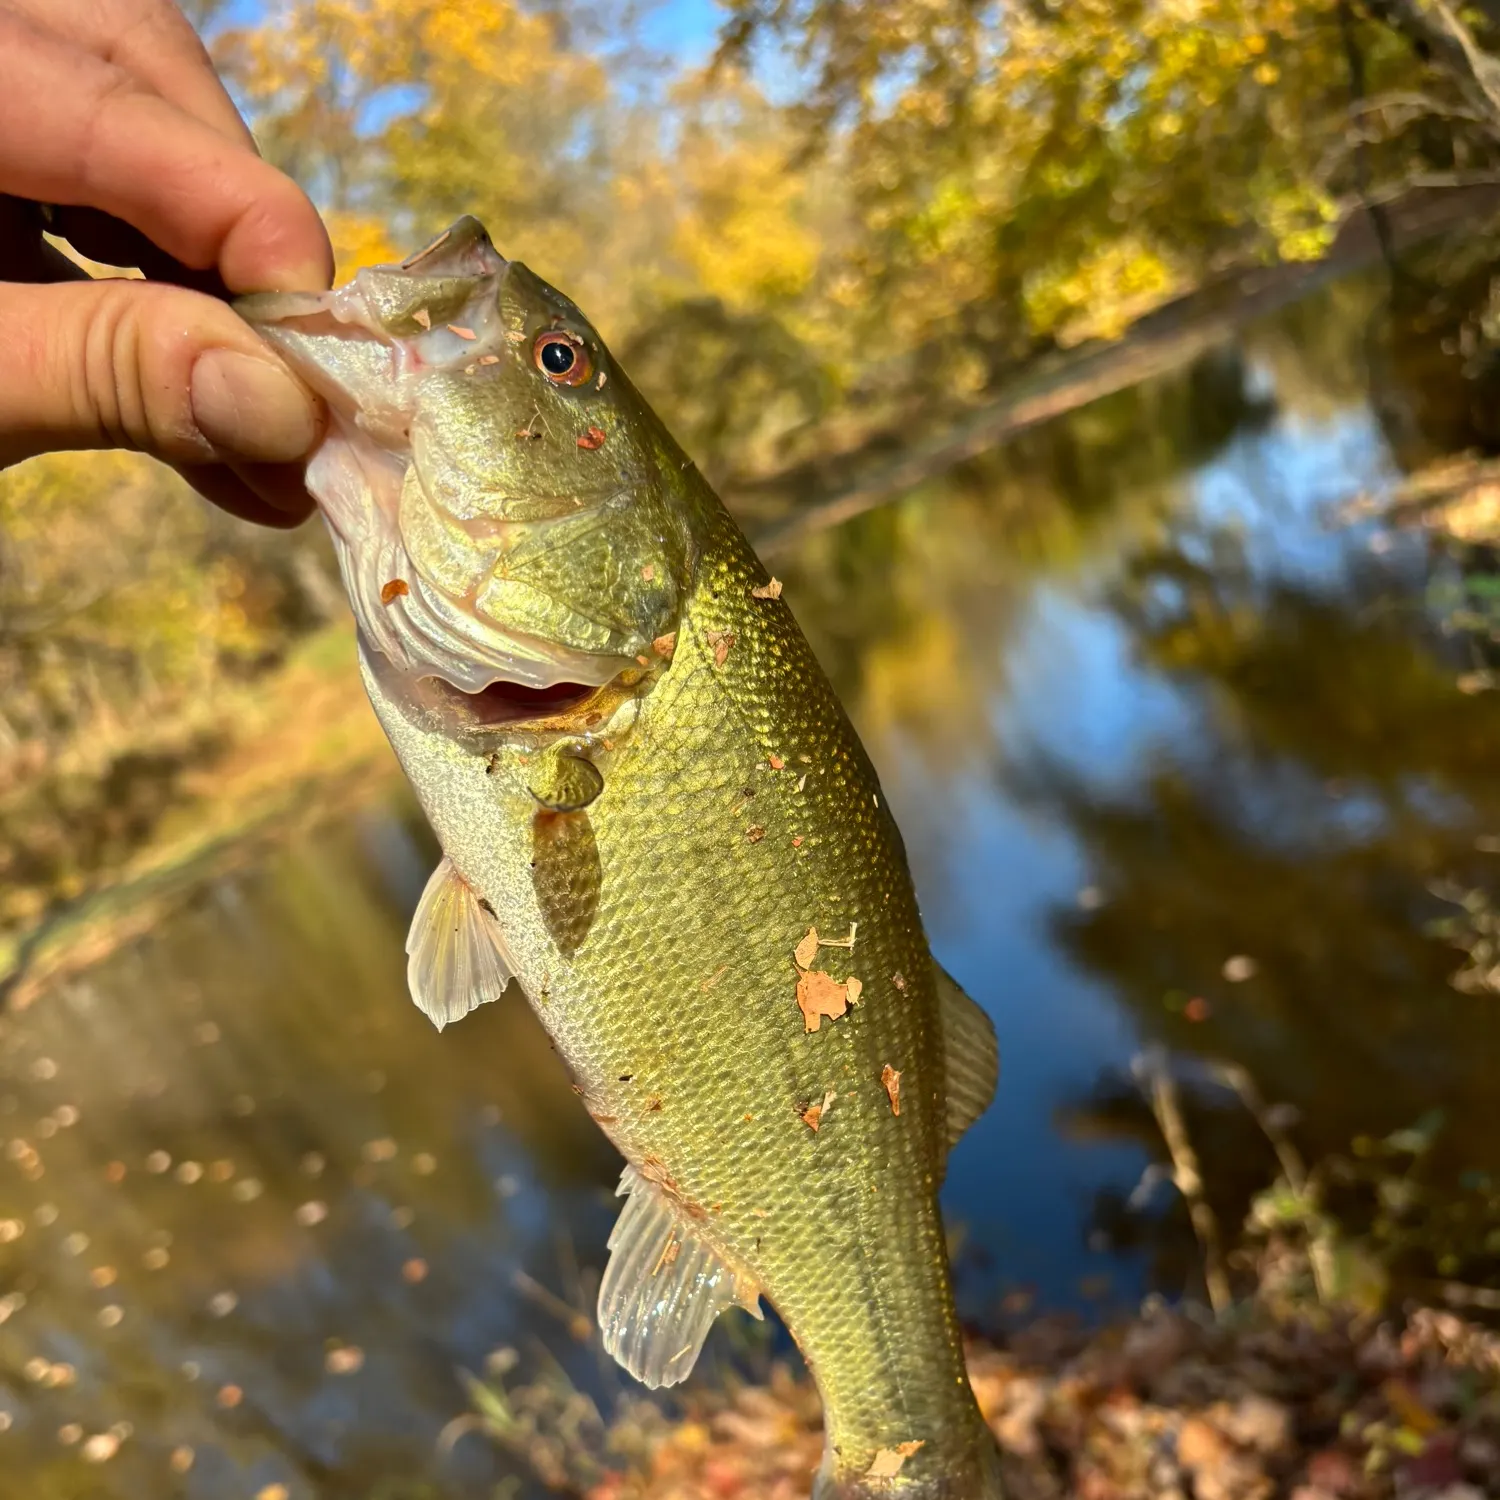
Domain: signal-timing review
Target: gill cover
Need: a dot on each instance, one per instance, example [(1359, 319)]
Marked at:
[(494, 521)]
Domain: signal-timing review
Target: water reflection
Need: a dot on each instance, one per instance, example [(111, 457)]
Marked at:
[(1140, 713), (254, 1206)]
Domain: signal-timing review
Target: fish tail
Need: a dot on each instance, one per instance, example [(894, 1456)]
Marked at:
[(969, 1473)]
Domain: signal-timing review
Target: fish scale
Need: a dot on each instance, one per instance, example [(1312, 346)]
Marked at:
[(657, 940)]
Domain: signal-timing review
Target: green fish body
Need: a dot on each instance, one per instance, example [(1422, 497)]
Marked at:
[(657, 820)]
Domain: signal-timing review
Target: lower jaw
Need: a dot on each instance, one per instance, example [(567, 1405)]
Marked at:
[(507, 703)]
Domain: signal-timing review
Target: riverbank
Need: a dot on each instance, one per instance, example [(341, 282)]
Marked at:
[(169, 808), (1174, 1405)]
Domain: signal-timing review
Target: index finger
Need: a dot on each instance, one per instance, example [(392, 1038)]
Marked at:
[(151, 39), (77, 130)]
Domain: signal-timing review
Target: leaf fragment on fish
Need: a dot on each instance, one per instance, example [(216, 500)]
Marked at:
[(422, 318), (890, 1078), (807, 950), (462, 332), (853, 988), (591, 440), (819, 995), (814, 1115), (888, 1463), (843, 942), (755, 834), (396, 589), (648, 572), (665, 645), (771, 590), (721, 641)]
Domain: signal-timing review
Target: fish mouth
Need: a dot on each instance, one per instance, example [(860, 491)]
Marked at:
[(508, 704), (370, 348), (475, 719)]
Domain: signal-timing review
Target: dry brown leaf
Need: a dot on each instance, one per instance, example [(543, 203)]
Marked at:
[(891, 1078), (771, 590), (721, 641), (807, 950), (463, 333), (592, 439), (422, 317), (649, 572), (489, 359), (853, 988), (814, 1115), (665, 645), (396, 589), (426, 250), (775, 762), (797, 842), (887, 1464), (819, 995), (755, 834), (899, 980)]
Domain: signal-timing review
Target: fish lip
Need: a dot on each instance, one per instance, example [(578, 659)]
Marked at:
[(463, 251)]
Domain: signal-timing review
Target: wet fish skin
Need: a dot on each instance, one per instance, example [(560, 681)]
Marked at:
[(651, 906)]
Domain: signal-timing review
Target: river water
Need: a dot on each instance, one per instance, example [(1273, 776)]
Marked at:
[(1178, 762)]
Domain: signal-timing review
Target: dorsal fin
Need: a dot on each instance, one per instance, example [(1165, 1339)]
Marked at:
[(456, 953), (971, 1055), (663, 1287)]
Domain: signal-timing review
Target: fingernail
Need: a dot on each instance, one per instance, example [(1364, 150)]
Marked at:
[(252, 408)]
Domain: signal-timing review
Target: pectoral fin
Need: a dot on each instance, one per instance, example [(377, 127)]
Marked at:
[(971, 1055), (456, 953), (663, 1287)]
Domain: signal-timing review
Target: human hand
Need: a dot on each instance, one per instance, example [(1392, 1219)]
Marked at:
[(111, 111)]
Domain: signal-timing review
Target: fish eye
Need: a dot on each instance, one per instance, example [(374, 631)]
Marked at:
[(562, 358)]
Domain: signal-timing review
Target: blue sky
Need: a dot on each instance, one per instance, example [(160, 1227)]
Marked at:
[(686, 29)]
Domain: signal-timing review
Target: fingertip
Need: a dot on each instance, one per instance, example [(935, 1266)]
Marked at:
[(279, 244)]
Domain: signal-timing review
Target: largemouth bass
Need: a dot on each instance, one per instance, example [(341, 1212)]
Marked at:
[(657, 822)]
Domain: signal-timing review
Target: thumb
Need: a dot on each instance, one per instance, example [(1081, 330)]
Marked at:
[(132, 364)]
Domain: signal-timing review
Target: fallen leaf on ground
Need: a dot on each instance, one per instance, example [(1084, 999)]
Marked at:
[(887, 1464), (891, 1078)]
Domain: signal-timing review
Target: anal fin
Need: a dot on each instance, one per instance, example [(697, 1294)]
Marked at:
[(456, 953), (663, 1287), (971, 1055)]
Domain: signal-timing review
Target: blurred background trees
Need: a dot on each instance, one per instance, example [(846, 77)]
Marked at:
[(851, 222)]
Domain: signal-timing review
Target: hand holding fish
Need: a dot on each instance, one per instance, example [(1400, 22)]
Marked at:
[(111, 114)]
